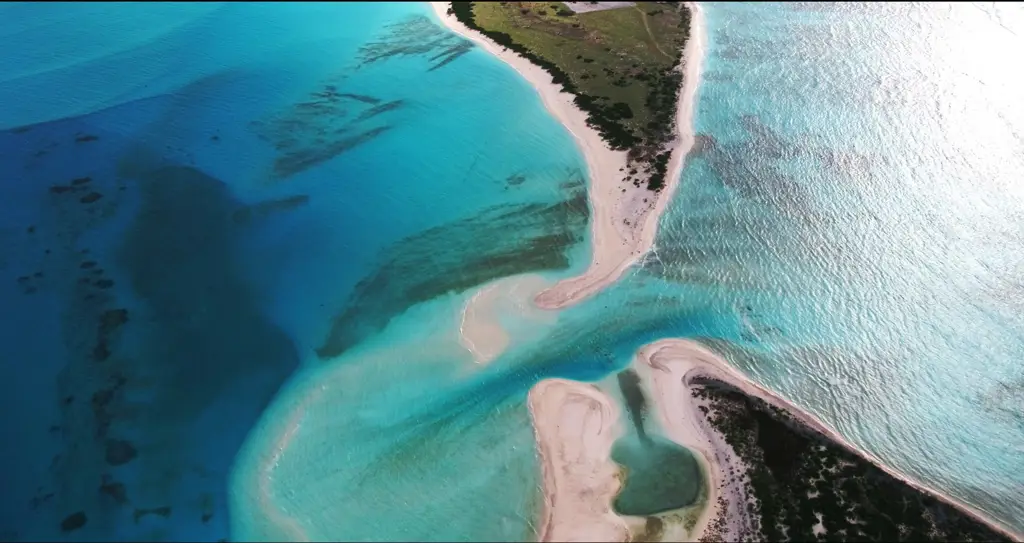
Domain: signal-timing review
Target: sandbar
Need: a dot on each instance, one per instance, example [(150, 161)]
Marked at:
[(576, 425), (481, 331)]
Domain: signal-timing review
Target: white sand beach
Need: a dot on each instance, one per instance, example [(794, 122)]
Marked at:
[(576, 425), (623, 225), (633, 215)]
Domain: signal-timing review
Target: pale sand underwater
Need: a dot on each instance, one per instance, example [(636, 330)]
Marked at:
[(481, 330)]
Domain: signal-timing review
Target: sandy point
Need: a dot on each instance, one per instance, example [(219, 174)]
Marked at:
[(481, 330), (623, 223), (665, 369), (576, 425)]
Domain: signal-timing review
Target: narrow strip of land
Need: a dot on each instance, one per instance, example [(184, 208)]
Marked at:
[(629, 108)]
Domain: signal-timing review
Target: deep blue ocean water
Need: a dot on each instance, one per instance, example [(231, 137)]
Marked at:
[(257, 169), (233, 227)]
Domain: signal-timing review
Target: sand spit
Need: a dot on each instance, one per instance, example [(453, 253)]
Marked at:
[(633, 215), (665, 369), (624, 225), (576, 425)]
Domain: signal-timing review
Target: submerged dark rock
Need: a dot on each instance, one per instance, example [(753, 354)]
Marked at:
[(73, 521), (90, 198), (61, 189), (119, 452), (111, 320), (101, 351), (114, 490), (515, 180)]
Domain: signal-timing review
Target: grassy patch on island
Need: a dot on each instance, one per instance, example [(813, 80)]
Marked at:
[(621, 64)]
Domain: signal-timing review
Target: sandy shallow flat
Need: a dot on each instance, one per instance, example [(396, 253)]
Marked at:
[(576, 425), (481, 330)]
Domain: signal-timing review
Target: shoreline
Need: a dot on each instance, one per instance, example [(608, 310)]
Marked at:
[(623, 225), (667, 384), (693, 360)]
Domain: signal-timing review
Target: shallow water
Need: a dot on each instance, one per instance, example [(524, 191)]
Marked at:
[(278, 187), (660, 476), (190, 212)]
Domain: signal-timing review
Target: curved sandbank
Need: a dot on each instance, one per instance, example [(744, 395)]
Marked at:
[(480, 330), (576, 425), (264, 496), (624, 225), (669, 366), (665, 369)]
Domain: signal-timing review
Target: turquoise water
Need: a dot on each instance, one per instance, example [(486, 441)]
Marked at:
[(259, 171), (294, 207)]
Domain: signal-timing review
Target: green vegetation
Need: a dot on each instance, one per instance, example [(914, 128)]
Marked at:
[(621, 65), (801, 479)]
